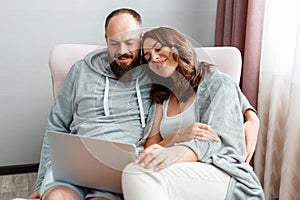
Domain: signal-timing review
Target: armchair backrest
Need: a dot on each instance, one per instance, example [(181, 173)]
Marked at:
[(63, 56)]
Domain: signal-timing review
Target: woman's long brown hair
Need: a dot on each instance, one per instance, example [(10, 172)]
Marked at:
[(191, 70)]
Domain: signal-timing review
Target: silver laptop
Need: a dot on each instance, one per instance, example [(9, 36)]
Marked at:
[(89, 162)]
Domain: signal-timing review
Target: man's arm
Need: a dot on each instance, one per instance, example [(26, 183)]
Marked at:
[(59, 120), (251, 128)]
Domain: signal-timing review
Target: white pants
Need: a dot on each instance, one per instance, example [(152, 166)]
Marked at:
[(186, 180)]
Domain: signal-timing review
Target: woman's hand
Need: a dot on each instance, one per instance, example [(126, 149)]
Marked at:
[(157, 157), (198, 131)]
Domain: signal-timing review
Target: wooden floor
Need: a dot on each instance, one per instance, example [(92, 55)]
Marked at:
[(19, 185)]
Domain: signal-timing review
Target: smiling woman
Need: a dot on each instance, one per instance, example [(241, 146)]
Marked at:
[(160, 58), (196, 143)]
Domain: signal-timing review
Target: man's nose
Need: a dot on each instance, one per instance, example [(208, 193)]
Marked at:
[(123, 49)]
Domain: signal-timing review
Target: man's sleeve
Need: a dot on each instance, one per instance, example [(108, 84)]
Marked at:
[(59, 120), (245, 104)]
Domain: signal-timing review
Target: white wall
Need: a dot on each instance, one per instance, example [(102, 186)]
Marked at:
[(28, 31)]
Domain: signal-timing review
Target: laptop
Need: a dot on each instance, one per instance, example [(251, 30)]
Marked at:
[(89, 162)]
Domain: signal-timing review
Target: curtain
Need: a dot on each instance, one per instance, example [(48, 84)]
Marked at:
[(239, 24), (277, 156)]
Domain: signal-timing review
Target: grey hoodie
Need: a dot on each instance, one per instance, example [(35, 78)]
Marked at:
[(94, 103)]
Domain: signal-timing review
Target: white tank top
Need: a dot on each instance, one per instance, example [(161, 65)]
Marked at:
[(170, 124)]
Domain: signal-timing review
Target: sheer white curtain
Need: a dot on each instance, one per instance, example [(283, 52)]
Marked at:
[(277, 157)]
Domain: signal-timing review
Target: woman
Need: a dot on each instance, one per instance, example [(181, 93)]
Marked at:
[(179, 162)]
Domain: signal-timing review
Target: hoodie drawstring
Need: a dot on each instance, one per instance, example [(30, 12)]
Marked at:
[(105, 101), (139, 98), (140, 102)]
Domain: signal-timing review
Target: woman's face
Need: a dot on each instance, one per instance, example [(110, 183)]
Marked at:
[(160, 58)]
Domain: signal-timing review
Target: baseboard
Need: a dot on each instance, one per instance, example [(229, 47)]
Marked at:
[(19, 169)]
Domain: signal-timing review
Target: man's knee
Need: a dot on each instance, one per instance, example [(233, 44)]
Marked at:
[(60, 193)]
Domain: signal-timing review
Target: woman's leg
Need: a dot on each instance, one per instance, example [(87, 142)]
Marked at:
[(187, 180)]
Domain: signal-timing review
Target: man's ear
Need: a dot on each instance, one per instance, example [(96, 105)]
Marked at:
[(105, 36)]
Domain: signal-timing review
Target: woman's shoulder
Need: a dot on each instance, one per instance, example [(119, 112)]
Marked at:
[(218, 77), (214, 82)]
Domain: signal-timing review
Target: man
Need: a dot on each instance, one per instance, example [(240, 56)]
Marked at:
[(97, 102), (100, 99)]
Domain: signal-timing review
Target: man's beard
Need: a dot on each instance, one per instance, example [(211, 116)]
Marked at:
[(121, 69)]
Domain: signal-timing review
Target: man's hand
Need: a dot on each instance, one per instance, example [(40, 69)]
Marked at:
[(35, 195), (251, 128)]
